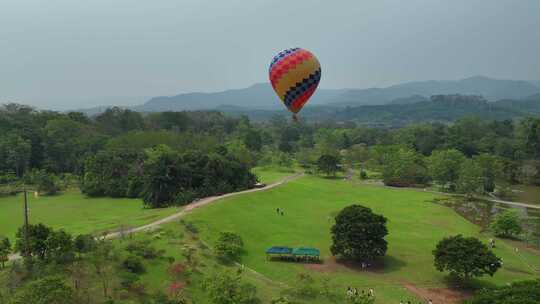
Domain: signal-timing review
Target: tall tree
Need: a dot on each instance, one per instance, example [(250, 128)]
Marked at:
[(471, 178), (359, 234), (444, 166), (329, 164), (465, 257)]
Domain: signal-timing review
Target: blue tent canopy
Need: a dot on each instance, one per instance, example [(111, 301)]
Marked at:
[(279, 250)]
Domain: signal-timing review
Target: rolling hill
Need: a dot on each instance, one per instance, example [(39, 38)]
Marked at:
[(261, 96)]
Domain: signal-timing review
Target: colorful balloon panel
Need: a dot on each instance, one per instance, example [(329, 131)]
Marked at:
[(295, 74)]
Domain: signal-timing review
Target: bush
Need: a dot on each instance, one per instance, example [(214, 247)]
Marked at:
[(133, 264), (127, 279), (85, 243), (506, 224), (229, 246), (363, 174), (46, 183), (526, 292), (144, 250)]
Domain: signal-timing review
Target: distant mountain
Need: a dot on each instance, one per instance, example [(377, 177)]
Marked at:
[(491, 89), (262, 97), (258, 96), (409, 100), (530, 104), (439, 108), (535, 82)]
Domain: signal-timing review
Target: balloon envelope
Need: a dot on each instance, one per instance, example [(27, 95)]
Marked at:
[(295, 74)]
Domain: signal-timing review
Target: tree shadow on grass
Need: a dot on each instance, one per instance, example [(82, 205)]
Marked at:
[(387, 264), (467, 285)]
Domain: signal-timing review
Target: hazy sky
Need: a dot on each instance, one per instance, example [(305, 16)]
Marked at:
[(81, 53)]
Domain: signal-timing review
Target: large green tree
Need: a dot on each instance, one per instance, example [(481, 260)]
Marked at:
[(14, 153), (329, 164), (48, 290), (465, 257), (444, 165), (359, 234), (403, 167), (471, 178), (37, 238)]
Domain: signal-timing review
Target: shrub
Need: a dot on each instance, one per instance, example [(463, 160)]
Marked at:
[(133, 264), (128, 278), (363, 174), (229, 246), (506, 224), (526, 292), (144, 250)]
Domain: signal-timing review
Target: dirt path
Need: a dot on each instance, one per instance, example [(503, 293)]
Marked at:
[(437, 295), (185, 210)]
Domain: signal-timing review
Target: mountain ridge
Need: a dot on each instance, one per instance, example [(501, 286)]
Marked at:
[(260, 96)]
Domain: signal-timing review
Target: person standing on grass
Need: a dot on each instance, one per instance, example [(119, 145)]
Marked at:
[(430, 302), (371, 292)]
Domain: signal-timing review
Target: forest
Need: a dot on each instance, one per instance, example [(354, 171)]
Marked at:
[(172, 158)]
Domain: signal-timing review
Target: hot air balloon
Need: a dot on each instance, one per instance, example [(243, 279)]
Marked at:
[(294, 74)]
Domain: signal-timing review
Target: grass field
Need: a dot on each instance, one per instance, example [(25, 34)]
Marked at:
[(270, 175), (310, 203), (76, 213)]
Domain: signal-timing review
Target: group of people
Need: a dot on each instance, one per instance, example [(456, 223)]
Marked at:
[(280, 211), (353, 292), (409, 302)]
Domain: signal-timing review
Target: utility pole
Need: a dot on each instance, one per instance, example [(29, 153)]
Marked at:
[(26, 245)]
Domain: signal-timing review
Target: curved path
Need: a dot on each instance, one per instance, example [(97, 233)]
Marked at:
[(200, 203), (186, 209)]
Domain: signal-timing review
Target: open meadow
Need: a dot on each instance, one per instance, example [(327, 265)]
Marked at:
[(76, 213), (415, 225)]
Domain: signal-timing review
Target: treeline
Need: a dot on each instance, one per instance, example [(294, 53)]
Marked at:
[(165, 158), (123, 153), (163, 176)]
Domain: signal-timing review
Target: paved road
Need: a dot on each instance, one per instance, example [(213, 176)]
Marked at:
[(186, 209)]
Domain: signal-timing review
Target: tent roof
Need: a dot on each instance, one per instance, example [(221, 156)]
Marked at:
[(279, 250), (306, 251)]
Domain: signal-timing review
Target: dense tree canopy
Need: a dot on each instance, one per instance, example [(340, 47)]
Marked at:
[(359, 234), (465, 257)]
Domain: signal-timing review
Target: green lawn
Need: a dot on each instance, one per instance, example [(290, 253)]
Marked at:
[(270, 175), (76, 213), (310, 203)]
